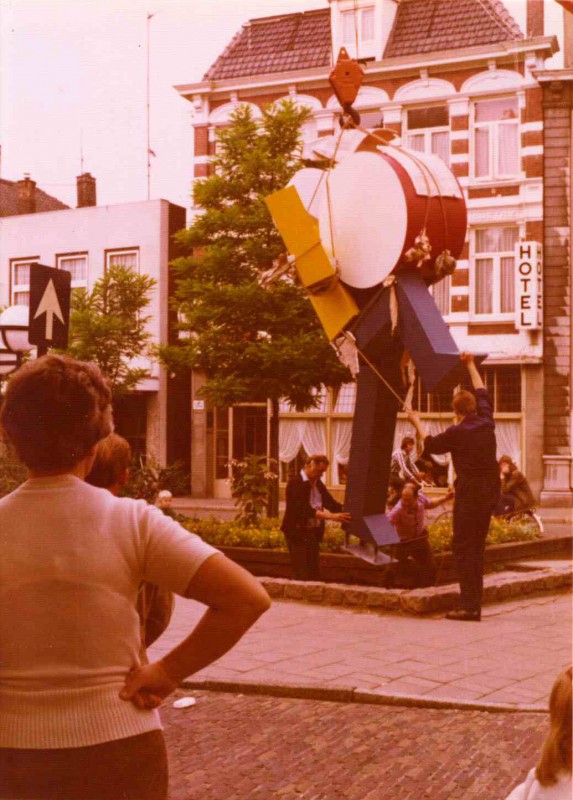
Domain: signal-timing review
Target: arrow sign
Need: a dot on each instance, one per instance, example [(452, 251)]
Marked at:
[(50, 306), (50, 290)]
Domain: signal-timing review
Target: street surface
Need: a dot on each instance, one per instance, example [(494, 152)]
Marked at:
[(512, 656), (234, 747)]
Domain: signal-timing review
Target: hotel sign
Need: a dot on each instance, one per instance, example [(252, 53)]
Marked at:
[(528, 286)]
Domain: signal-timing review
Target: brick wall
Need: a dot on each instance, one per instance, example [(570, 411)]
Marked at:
[(557, 107)]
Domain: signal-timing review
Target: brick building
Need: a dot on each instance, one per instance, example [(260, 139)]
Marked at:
[(463, 81), (24, 197)]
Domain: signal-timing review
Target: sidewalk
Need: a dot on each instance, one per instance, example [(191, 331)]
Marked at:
[(511, 658)]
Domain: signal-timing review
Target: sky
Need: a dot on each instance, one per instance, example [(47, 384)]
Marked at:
[(73, 82)]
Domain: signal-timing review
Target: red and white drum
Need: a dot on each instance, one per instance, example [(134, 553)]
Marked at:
[(377, 201)]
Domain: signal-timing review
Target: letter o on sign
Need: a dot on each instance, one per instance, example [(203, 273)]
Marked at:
[(525, 268)]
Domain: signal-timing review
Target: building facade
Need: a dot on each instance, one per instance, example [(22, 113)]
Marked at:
[(86, 241), (463, 81)]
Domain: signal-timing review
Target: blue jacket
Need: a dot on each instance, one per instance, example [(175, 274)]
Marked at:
[(471, 443)]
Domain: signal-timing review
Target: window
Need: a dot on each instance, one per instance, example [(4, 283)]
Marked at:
[(441, 295), (358, 25), (20, 283), (371, 119), (493, 271), (496, 138), (123, 258), (428, 131), (77, 265)]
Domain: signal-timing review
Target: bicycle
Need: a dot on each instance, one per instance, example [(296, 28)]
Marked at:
[(528, 517)]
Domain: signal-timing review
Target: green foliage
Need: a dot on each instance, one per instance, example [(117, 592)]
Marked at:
[(12, 471), (268, 536), (251, 484), (107, 326), (251, 343), (147, 478), (501, 531)]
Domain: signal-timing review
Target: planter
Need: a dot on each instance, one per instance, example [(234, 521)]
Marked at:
[(336, 568)]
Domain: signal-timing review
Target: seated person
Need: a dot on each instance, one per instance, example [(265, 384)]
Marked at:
[(516, 493), (403, 464), (408, 518)]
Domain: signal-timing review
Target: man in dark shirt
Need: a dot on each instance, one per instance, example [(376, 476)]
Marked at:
[(308, 505), (471, 441)]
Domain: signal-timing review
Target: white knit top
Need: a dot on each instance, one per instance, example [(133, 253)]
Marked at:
[(71, 560)]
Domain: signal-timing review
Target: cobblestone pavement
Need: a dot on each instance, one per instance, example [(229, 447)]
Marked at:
[(234, 747), (512, 656)]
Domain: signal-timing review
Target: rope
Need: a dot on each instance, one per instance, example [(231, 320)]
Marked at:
[(377, 372)]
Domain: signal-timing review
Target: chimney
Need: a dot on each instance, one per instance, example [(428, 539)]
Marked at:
[(26, 195), (86, 190), (534, 19)]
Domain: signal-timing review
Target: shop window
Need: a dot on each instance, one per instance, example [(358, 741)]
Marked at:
[(292, 468)]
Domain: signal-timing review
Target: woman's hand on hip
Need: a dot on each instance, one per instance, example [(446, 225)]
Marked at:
[(148, 685)]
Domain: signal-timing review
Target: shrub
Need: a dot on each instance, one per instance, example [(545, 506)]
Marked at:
[(148, 478), (267, 535), (12, 471), (251, 483)]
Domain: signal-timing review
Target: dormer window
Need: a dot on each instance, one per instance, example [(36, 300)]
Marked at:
[(358, 25)]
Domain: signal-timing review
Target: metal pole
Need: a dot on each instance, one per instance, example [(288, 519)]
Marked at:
[(149, 17)]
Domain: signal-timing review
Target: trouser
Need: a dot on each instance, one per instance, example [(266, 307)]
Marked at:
[(417, 558), (473, 508), (304, 557), (134, 768)]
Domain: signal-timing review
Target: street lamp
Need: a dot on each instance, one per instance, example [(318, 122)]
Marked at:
[(13, 337)]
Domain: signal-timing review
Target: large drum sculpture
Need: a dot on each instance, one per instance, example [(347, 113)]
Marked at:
[(367, 237)]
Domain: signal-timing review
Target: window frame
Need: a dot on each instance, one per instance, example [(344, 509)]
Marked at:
[(75, 284), (357, 28), (496, 315), (447, 281), (427, 132), (118, 251), (493, 142), (23, 288)]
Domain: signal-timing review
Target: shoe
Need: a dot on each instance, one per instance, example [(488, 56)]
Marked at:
[(462, 615)]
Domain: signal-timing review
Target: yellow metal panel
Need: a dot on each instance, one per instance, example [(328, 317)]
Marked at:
[(334, 306)]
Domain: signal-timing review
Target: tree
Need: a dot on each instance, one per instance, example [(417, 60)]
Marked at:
[(252, 344), (108, 327)]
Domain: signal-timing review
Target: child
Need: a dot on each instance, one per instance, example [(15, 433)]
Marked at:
[(551, 779)]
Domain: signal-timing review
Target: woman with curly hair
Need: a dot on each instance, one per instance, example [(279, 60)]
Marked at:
[(78, 709)]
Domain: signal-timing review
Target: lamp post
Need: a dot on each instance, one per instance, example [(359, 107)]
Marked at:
[(14, 340)]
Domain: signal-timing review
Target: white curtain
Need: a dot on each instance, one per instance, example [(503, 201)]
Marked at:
[(290, 439), (441, 145), (484, 285), (507, 433), (481, 151), (341, 436), (507, 298), (507, 148), (314, 436)]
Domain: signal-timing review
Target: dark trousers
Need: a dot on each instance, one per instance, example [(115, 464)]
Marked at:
[(415, 559), (134, 768), (473, 508), (304, 557)]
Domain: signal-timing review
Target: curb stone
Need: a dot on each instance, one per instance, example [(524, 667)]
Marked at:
[(434, 599), (347, 694)]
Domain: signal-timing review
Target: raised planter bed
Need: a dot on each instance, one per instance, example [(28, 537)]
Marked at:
[(348, 569)]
